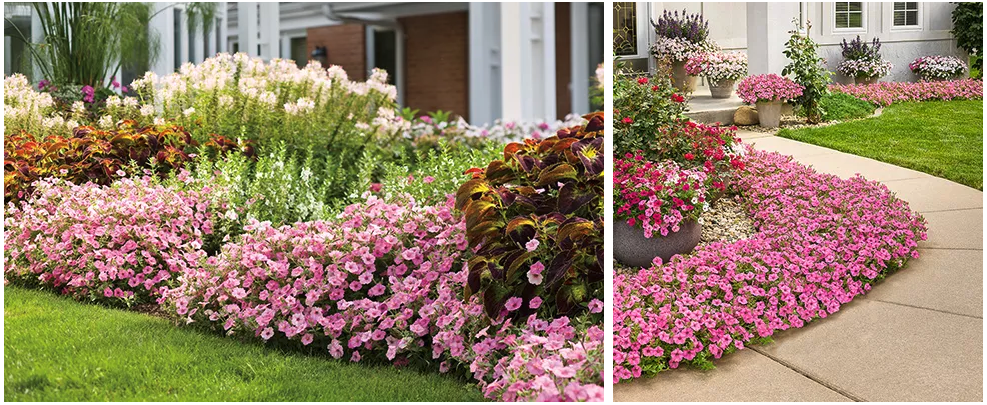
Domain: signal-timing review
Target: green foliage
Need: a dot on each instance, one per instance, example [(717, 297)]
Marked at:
[(641, 106), (968, 29), (842, 107), (941, 138), (436, 172), (85, 43), (542, 205), (280, 186), (59, 350), (809, 70)]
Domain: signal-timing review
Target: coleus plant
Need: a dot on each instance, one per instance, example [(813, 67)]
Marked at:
[(98, 156), (536, 220)]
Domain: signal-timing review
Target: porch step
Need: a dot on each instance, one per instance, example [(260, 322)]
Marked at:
[(703, 108)]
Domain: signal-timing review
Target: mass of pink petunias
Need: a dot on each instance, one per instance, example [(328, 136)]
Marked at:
[(887, 93), (385, 281), (821, 242)]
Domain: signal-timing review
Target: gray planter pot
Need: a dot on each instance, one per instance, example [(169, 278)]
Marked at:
[(769, 113), (681, 80), (630, 247), (865, 80), (721, 89)]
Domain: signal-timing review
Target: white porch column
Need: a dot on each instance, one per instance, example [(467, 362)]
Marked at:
[(163, 24), (528, 77), (579, 58), (183, 35), (485, 73), (198, 41), (223, 27), (270, 31), (514, 78), (247, 26), (767, 31), (37, 37)]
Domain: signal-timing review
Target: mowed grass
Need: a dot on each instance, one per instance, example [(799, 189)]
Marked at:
[(941, 138), (56, 349)]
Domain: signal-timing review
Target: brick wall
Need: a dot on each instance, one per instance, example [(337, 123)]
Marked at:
[(437, 62), (563, 66), (346, 45)]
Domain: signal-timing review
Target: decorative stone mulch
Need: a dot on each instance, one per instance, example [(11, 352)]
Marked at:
[(726, 221), (796, 122)]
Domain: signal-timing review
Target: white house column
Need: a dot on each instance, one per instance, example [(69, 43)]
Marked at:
[(198, 40), (37, 37), (247, 27), (579, 58), (528, 61), (767, 31), (270, 30), (183, 36), (163, 23), (223, 26), (514, 78), (484, 65)]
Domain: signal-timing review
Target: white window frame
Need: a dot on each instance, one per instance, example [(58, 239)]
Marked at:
[(644, 31), (863, 18), (919, 18)]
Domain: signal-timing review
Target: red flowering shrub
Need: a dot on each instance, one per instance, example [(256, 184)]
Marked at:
[(822, 241), (115, 244), (641, 106)]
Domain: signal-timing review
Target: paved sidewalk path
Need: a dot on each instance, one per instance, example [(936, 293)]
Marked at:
[(917, 336)]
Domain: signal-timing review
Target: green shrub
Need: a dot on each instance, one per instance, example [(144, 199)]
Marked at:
[(435, 173), (842, 107), (808, 70), (641, 105), (968, 28)]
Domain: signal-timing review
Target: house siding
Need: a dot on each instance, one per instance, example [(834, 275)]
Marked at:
[(728, 26), (437, 62), (346, 45)]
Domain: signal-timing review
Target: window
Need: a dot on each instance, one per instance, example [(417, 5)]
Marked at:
[(906, 14), (299, 51), (177, 37), (849, 14), (625, 28)]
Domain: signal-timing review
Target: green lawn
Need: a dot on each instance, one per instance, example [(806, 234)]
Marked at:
[(941, 138), (56, 349)]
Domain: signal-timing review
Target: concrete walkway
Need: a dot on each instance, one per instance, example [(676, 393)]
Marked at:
[(917, 336)]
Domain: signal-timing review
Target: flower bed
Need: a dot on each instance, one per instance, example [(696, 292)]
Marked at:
[(116, 244), (386, 282), (887, 93), (822, 241)]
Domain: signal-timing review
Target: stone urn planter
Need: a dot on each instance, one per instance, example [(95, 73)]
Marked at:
[(721, 89), (682, 81), (630, 247), (866, 80), (769, 113)]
